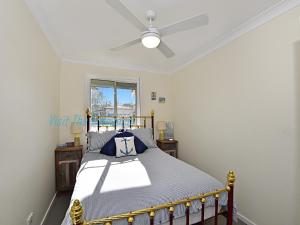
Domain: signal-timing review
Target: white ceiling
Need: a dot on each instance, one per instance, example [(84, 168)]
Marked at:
[(84, 31)]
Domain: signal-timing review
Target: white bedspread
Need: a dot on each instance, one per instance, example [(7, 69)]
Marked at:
[(107, 185)]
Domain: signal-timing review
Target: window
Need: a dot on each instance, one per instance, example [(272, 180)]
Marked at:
[(112, 98)]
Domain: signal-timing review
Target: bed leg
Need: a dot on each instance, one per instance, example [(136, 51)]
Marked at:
[(202, 200), (187, 213), (76, 213), (230, 188), (171, 216), (152, 214), (216, 208)]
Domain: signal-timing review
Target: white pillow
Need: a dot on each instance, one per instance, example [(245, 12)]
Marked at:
[(125, 146), (97, 140), (145, 135)]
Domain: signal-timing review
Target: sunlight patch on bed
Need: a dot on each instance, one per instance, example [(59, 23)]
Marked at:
[(90, 174), (125, 175)]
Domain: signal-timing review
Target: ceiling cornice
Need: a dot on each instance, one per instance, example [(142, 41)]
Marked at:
[(244, 28), (115, 65), (260, 19)]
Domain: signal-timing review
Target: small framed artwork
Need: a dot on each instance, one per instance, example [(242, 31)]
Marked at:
[(153, 95), (161, 99)]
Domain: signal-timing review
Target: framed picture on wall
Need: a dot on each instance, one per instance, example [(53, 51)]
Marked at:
[(153, 95), (161, 99)]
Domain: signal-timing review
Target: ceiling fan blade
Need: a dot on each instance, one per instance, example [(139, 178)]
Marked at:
[(187, 24), (120, 8), (165, 50), (128, 44)]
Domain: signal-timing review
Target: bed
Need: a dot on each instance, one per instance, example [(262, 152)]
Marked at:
[(149, 188)]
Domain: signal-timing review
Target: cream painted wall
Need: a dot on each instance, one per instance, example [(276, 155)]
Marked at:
[(29, 92), (235, 109), (74, 91), (238, 108)]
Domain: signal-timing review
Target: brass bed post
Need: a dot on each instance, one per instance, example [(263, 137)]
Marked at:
[(88, 116), (76, 213), (152, 122), (230, 188)]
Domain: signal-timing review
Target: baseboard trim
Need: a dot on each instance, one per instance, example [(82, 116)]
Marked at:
[(48, 209), (245, 219)]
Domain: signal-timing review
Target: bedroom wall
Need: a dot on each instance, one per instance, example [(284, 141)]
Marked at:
[(74, 91), (29, 92), (238, 108)]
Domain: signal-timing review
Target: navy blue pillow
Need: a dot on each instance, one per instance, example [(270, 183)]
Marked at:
[(110, 147)]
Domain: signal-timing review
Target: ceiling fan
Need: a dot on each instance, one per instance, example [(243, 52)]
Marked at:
[(151, 36)]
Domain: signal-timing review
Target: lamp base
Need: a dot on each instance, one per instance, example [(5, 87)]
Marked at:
[(76, 141), (161, 135)]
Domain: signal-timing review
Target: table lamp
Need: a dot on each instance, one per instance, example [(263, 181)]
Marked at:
[(76, 130), (161, 126)]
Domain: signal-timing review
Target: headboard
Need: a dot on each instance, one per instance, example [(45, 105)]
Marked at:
[(129, 121)]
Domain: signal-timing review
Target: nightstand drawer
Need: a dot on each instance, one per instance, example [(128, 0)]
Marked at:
[(66, 175), (68, 155), (168, 146), (67, 163)]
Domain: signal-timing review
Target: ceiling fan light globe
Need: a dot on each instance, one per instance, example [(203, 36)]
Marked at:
[(150, 40)]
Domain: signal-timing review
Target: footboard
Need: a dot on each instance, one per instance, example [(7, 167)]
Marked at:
[(76, 212)]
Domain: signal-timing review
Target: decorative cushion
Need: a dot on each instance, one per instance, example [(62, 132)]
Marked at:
[(110, 147), (145, 135), (140, 147), (97, 140), (125, 146)]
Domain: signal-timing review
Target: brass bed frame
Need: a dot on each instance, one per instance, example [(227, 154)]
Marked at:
[(77, 211)]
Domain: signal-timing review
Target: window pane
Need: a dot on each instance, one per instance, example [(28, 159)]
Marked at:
[(102, 103), (126, 99), (110, 98)]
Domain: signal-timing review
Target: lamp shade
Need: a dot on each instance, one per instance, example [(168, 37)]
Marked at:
[(76, 128), (161, 125)]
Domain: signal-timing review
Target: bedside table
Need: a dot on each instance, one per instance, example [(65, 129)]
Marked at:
[(168, 146), (67, 162)]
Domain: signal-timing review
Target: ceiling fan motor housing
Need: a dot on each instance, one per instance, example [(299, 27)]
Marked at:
[(152, 31), (151, 37)]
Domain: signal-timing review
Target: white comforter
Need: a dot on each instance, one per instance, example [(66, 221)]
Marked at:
[(107, 185)]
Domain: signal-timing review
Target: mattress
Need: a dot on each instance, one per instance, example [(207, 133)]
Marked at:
[(108, 186)]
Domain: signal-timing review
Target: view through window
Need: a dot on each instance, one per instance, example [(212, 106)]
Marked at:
[(112, 98)]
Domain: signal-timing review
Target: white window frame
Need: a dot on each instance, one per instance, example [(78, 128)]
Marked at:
[(116, 79)]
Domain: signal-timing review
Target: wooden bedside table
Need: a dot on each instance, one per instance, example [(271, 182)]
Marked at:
[(67, 162), (168, 146)]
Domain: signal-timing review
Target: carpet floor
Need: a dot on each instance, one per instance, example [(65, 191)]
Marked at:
[(62, 201)]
